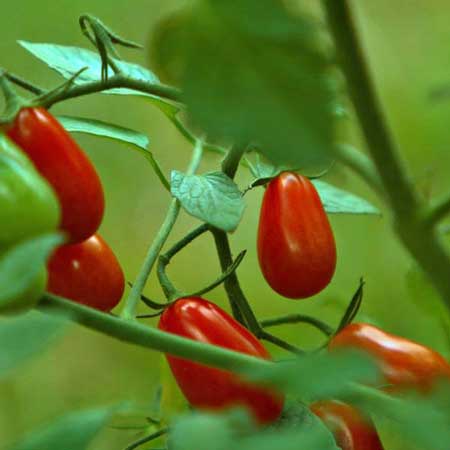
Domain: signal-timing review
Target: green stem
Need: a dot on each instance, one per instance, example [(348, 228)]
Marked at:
[(406, 206), (146, 439), (438, 212), (299, 318), (116, 81), (25, 84), (360, 164), (129, 311), (148, 337)]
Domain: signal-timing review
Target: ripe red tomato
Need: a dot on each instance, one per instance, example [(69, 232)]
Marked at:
[(210, 388), (296, 247), (66, 167), (87, 273), (404, 363), (351, 429)]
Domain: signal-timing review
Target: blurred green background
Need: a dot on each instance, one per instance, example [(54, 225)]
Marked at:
[(409, 48)]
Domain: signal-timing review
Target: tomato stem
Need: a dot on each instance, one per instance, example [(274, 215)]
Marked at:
[(149, 438), (407, 207), (147, 337), (129, 311), (326, 329)]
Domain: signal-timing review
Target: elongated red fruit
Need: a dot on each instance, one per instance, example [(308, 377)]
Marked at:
[(352, 430), (296, 247), (210, 388), (66, 167), (87, 273), (404, 363)]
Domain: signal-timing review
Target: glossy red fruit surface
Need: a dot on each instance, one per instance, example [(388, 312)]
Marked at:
[(66, 167), (87, 273), (403, 362), (210, 388), (351, 429), (296, 247)]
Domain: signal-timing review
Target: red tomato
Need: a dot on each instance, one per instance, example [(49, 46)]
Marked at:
[(351, 429), (65, 166), (210, 388), (296, 248), (403, 362), (87, 273)]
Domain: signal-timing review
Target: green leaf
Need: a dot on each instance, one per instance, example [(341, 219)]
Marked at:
[(95, 127), (22, 264), (252, 72), (74, 431), (212, 197), (104, 129), (24, 337), (338, 201), (323, 375), (67, 61)]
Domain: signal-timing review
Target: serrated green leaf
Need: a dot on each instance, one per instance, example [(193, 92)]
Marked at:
[(21, 265), (75, 431), (252, 72), (24, 337), (339, 201), (67, 61), (212, 197)]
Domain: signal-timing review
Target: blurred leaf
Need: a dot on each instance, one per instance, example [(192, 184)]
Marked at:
[(212, 197), (251, 72), (21, 265), (424, 421), (24, 337), (322, 375), (67, 61), (74, 431)]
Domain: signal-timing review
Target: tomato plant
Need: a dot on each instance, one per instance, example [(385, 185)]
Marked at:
[(296, 248), (351, 429), (65, 166), (207, 387), (403, 362), (88, 273)]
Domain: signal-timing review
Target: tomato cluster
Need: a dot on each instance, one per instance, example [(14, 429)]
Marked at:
[(84, 270)]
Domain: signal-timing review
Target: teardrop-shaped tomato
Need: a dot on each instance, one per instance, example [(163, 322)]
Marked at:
[(87, 273), (404, 363), (66, 167), (296, 247), (351, 429), (207, 387)]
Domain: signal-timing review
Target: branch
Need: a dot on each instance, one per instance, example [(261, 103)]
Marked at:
[(438, 212), (148, 337), (129, 311), (116, 81), (299, 318), (406, 206)]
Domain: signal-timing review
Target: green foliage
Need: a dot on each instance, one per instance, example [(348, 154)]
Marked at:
[(75, 431), (21, 267), (68, 61), (25, 337), (252, 72), (138, 141), (212, 197)]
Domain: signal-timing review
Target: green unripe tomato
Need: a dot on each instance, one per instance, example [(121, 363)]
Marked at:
[(26, 300), (28, 205)]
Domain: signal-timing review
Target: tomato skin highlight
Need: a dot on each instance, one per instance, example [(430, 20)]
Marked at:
[(296, 246), (87, 273), (351, 429), (210, 388), (404, 363), (66, 167)]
